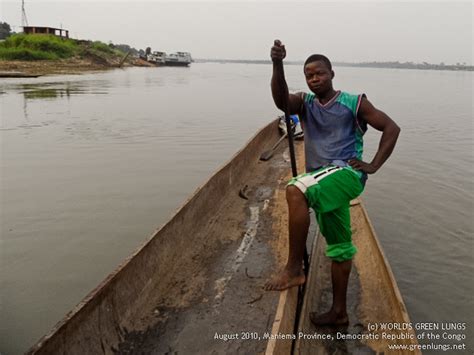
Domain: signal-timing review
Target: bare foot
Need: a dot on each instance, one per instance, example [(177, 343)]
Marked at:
[(286, 279), (329, 318)]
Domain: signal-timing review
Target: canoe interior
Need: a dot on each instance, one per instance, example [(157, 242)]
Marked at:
[(198, 276), (373, 297)]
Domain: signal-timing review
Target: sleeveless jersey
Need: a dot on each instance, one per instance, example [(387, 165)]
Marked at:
[(333, 133)]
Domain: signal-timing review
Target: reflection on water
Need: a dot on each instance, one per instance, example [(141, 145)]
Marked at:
[(46, 93), (92, 164), (60, 89)]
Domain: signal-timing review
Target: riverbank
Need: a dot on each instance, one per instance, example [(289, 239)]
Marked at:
[(65, 66), (43, 55)]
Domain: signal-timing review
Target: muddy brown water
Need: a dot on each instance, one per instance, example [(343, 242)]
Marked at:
[(92, 164)]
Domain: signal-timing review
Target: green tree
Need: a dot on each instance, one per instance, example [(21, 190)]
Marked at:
[(5, 30)]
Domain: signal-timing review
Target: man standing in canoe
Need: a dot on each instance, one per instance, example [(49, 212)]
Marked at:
[(333, 124)]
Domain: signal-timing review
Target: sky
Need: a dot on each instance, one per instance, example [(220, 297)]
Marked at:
[(350, 31)]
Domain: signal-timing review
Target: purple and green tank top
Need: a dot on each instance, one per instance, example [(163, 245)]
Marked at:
[(332, 132)]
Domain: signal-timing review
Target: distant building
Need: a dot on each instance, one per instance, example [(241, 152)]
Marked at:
[(46, 30)]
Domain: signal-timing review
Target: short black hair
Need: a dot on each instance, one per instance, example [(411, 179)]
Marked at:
[(318, 57)]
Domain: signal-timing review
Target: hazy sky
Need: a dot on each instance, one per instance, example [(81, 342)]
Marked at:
[(351, 31)]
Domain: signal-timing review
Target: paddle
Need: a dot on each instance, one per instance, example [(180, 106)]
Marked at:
[(269, 153), (291, 144), (301, 289), (294, 171)]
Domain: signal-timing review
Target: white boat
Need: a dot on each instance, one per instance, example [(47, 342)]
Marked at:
[(179, 59), (157, 58)]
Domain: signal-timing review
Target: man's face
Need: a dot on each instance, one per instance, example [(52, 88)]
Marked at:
[(318, 77)]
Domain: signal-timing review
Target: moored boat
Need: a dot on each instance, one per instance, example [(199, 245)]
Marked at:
[(156, 58), (181, 59), (15, 74), (195, 285)]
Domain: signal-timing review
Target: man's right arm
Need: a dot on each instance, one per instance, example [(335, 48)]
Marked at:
[(280, 93)]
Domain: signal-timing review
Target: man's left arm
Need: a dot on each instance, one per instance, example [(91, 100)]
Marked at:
[(390, 131)]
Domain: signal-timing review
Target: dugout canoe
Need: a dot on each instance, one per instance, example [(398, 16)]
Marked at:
[(373, 297), (195, 285), (15, 74)]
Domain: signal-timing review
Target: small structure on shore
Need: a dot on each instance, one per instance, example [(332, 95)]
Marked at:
[(46, 30)]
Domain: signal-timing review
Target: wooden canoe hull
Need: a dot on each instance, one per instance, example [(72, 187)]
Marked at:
[(201, 273), (373, 298), (13, 74), (172, 269)]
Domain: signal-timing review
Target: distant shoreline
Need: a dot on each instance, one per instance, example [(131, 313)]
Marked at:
[(388, 65)]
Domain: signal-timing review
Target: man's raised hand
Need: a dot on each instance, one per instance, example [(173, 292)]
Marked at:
[(278, 52)]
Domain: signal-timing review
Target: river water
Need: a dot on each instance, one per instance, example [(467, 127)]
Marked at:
[(92, 164)]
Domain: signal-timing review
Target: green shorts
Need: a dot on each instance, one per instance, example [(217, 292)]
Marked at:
[(329, 191)]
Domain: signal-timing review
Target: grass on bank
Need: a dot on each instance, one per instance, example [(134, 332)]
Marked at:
[(48, 47)]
